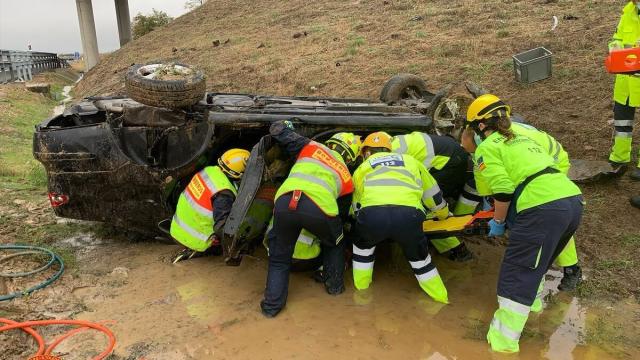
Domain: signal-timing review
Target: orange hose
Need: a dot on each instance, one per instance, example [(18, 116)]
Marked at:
[(68, 334), (84, 324), (29, 331)]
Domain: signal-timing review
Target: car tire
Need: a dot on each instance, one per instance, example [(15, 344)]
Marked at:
[(185, 91), (402, 87)]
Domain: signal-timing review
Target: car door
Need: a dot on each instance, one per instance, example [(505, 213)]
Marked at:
[(235, 242)]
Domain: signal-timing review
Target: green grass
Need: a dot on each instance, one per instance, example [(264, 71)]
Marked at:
[(614, 264), (630, 240), (354, 44), (501, 34)]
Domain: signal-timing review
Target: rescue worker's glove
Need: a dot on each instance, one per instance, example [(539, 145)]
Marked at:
[(496, 229), (288, 124), (442, 214)]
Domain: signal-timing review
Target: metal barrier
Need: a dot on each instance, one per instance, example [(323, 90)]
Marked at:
[(22, 65)]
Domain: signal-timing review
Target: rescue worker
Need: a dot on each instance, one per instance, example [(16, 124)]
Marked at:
[(626, 91), (451, 167), (541, 205), (204, 205), (309, 199), (568, 258), (391, 192), (306, 252)]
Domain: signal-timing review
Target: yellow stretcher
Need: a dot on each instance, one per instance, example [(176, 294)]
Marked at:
[(467, 224)]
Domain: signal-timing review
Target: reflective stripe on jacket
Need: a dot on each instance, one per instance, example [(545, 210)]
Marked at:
[(192, 224), (395, 179), (432, 151), (547, 142), (321, 174)]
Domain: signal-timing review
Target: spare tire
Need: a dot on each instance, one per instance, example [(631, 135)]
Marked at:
[(401, 87), (171, 86)]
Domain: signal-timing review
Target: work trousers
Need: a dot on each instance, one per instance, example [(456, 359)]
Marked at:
[(287, 224), (536, 238), (400, 224), (623, 118)]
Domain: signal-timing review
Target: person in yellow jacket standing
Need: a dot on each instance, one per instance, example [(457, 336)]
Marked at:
[(451, 166), (540, 205), (568, 258), (310, 198), (626, 91), (205, 204), (391, 192)]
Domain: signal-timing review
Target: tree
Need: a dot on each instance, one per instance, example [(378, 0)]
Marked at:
[(193, 4), (144, 24)]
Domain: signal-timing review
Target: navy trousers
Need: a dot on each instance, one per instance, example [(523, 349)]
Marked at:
[(536, 237), (287, 225)]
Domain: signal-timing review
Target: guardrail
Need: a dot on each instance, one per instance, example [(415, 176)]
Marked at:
[(22, 65)]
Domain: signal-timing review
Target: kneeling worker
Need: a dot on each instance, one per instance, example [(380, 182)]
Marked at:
[(390, 190), (205, 203), (309, 199), (451, 166)]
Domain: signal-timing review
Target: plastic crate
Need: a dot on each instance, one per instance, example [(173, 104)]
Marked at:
[(532, 65)]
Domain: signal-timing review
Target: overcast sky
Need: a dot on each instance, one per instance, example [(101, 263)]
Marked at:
[(52, 25)]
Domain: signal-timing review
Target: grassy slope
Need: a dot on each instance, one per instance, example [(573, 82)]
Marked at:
[(455, 41), (25, 213)]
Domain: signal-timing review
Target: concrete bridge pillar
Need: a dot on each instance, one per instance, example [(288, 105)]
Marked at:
[(124, 21), (88, 33)]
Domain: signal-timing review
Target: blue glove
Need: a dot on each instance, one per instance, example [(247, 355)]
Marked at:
[(496, 229)]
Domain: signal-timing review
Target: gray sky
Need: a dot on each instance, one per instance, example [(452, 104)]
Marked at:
[(52, 25)]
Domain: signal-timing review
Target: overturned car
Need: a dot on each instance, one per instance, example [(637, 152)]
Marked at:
[(119, 161)]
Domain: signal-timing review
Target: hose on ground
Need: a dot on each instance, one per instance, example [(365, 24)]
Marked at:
[(27, 327), (31, 250)]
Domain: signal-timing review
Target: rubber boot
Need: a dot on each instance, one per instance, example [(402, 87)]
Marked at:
[(635, 201), (460, 253), (572, 277), (635, 174)]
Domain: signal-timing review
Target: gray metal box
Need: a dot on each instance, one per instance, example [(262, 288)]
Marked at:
[(532, 65)]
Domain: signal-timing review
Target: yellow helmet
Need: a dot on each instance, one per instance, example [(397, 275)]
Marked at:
[(233, 162), (487, 106), (349, 142), (379, 139)]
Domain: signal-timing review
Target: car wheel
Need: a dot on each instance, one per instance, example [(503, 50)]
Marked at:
[(170, 85), (403, 87)]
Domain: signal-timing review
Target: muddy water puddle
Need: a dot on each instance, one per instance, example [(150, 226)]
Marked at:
[(202, 309)]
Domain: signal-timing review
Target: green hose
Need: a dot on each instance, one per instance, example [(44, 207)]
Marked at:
[(31, 250)]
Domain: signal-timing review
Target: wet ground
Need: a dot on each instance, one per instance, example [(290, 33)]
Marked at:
[(202, 309)]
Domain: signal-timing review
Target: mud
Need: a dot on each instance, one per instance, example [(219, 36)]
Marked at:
[(202, 309)]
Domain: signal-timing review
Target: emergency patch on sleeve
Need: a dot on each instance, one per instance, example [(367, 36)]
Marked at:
[(388, 160), (480, 165)]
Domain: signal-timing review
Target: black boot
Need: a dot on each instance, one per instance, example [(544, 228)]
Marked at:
[(635, 201), (618, 168), (572, 277), (635, 174), (269, 311), (460, 253)]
